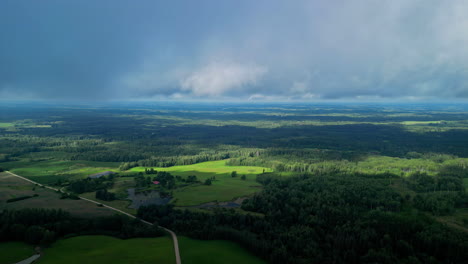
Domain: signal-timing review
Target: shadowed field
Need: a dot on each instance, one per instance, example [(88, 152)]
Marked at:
[(214, 252), (12, 252), (13, 187), (105, 249)]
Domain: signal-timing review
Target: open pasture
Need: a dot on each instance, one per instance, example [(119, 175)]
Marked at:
[(208, 169), (51, 171), (223, 188), (105, 249)]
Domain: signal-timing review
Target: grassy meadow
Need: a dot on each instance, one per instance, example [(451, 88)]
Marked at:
[(12, 252), (5, 125), (50, 171), (214, 252), (223, 188), (105, 249)]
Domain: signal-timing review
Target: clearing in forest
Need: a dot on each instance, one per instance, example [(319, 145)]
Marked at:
[(223, 188)]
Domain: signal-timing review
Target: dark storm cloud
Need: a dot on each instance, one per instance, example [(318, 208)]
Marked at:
[(258, 50)]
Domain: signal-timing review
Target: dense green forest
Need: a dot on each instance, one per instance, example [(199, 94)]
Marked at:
[(328, 218), (341, 183)]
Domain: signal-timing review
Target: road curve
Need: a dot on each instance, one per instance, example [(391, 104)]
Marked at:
[(173, 235)]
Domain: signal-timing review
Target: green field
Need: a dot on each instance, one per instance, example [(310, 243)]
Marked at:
[(208, 169), (11, 187), (224, 188), (5, 125), (105, 249), (12, 252), (50, 171), (214, 252)]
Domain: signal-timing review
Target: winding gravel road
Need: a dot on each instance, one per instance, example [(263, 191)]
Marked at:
[(173, 235)]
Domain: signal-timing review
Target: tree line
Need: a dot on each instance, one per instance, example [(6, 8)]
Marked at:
[(44, 226)]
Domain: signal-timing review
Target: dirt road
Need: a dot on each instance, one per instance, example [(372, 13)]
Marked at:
[(173, 235)]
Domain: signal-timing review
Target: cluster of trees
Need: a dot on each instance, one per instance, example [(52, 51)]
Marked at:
[(184, 160), (165, 179), (191, 179), (150, 171), (142, 181), (44, 226), (90, 184), (243, 177), (328, 218), (422, 182), (105, 195), (168, 161), (440, 194)]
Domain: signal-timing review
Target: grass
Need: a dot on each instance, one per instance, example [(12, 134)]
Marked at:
[(409, 123), (105, 249), (220, 190), (224, 188), (213, 252), (12, 252), (11, 187), (119, 204), (209, 168), (5, 125), (50, 171)]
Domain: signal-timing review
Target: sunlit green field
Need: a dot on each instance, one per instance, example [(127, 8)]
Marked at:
[(214, 252), (105, 249), (208, 169), (4, 125), (224, 188), (12, 252)]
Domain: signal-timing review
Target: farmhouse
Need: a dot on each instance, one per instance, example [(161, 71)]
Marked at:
[(100, 174)]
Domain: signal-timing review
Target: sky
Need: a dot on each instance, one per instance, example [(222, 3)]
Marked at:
[(234, 50)]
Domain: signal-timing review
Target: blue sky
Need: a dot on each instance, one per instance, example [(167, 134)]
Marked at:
[(234, 50)]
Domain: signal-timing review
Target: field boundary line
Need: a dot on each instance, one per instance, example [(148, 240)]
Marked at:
[(173, 235)]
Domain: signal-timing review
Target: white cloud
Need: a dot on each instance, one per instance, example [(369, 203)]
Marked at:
[(217, 79)]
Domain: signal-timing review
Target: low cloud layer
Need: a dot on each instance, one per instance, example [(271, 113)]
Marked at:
[(244, 50), (218, 79)]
